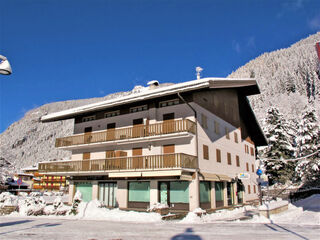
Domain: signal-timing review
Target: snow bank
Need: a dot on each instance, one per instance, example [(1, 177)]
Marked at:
[(220, 215), (94, 211), (306, 212), (273, 205)]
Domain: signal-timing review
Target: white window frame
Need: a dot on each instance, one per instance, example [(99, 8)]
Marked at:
[(169, 103), (113, 114), (89, 118), (138, 109)]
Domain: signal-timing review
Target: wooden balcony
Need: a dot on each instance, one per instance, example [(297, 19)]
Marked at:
[(166, 127), (152, 162)]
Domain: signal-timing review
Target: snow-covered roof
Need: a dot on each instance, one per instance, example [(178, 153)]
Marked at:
[(31, 168), (248, 85)]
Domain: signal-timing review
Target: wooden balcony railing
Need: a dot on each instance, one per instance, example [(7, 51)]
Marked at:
[(138, 131), (175, 160)]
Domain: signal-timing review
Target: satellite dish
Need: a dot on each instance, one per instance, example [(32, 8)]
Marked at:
[(5, 67)]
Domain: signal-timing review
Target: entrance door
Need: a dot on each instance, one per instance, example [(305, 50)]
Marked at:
[(137, 158), (164, 192), (229, 193), (85, 161), (137, 130), (107, 194), (87, 134), (111, 131), (168, 125), (169, 156), (86, 191)]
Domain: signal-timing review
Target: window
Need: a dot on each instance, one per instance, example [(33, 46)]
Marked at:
[(205, 152), (137, 121), (216, 127), (218, 153), (138, 109), (89, 118), (227, 132), (235, 137), (168, 116), (249, 189), (229, 158), (246, 148), (252, 167), (247, 164), (112, 114), (237, 161), (169, 103), (251, 151), (204, 121), (254, 189)]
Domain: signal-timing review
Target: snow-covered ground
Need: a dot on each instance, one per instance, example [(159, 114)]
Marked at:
[(303, 212)]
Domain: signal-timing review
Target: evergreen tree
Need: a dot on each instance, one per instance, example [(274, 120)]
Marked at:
[(280, 147), (308, 142)]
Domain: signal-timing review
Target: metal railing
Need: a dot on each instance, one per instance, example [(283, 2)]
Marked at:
[(166, 127), (175, 160)]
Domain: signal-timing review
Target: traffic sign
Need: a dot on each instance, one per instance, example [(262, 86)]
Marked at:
[(259, 172), (19, 181), (243, 175)]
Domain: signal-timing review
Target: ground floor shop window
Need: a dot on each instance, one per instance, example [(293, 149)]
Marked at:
[(107, 194), (86, 191), (179, 192), (175, 194), (139, 194), (205, 199), (219, 194)]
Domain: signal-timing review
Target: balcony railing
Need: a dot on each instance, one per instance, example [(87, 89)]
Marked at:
[(175, 160), (166, 127)]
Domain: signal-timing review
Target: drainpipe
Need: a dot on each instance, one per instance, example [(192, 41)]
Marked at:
[(197, 181)]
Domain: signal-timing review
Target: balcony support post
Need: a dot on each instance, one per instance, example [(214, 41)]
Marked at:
[(154, 192), (95, 190), (122, 194), (213, 195), (71, 192), (194, 192)]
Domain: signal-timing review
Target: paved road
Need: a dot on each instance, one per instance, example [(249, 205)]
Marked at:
[(48, 228)]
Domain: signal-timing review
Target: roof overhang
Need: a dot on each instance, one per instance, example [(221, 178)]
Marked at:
[(246, 86)]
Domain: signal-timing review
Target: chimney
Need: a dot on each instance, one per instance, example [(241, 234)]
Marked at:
[(153, 84)]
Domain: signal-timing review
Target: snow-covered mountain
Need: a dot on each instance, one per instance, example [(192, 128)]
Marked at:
[(288, 79)]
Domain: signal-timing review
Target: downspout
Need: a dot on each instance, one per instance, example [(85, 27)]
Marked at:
[(197, 149)]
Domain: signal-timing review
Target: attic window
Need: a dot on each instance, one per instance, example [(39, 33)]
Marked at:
[(89, 118), (139, 109), (169, 103), (112, 114)]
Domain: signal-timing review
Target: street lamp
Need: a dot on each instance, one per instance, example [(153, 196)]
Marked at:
[(5, 67)]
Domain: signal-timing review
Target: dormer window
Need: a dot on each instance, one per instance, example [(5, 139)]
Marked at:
[(169, 103), (112, 114), (89, 118), (139, 109)]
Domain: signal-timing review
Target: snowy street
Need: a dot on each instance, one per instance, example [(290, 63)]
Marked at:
[(48, 228)]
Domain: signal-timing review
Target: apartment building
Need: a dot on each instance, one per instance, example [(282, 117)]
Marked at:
[(183, 145), (44, 182)]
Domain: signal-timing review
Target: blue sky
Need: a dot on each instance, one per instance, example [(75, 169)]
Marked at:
[(72, 49)]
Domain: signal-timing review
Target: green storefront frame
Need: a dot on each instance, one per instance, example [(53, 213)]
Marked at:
[(86, 191), (139, 194)]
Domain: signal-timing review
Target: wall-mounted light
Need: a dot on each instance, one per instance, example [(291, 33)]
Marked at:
[(5, 67), (149, 146)]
